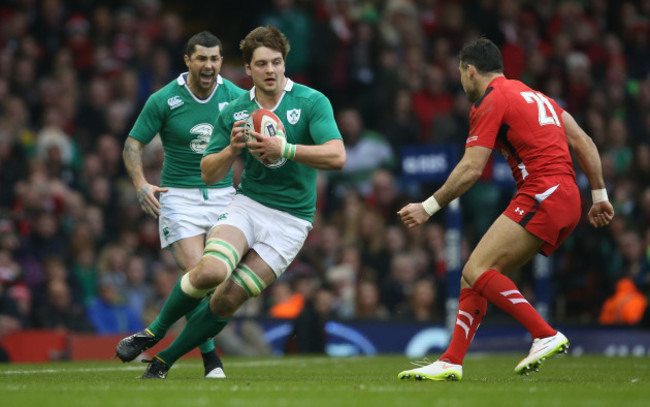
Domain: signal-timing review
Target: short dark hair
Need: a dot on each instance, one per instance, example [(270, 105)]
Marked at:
[(204, 39), (269, 37), (483, 54)]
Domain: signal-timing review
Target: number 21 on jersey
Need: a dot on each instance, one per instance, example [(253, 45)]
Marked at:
[(545, 109)]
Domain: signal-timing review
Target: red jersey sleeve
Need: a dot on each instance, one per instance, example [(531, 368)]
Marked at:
[(485, 120)]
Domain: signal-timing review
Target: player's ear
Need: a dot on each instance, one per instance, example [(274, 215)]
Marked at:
[(471, 70), (186, 58), (247, 67)]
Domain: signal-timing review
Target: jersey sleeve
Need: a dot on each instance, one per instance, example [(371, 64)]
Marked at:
[(220, 137), (485, 121), (149, 122), (322, 125)]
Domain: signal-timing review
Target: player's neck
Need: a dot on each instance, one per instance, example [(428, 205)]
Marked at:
[(269, 100), (197, 90), (484, 80)]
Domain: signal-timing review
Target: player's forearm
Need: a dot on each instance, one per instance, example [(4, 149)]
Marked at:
[(215, 167), (327, 156), (589, 161), (459, 181), (132, 155), (585, 151)]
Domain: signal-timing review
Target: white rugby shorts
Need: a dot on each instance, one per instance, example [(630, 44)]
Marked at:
[(186, 212), (275, 235)]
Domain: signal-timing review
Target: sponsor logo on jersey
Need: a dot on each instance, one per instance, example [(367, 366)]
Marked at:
[(203, 133), (174, 102), (222, 105), (222, 216), (470, 139), (293, 116), (519, 211), (241, 115)]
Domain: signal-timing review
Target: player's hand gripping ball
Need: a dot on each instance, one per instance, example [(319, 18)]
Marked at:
[(267, 124)]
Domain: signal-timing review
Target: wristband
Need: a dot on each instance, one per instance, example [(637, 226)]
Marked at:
[(288, 149), (599, 195), (431, 206)]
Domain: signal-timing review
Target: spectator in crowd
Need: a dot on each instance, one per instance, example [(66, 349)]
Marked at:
[(421, 304), (309, 334), (108, 312), (11, 320), (368, 302), (396, 287), (138, 292), (60, 312), (367, 150)]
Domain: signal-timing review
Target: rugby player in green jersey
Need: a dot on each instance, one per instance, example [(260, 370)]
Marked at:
[(183, 112), (264, 227)]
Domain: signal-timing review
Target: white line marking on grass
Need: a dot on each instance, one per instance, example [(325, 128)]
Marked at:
[(252, 363), (78, 369)]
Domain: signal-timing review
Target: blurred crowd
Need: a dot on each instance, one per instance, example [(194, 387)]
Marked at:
[(77, 253)]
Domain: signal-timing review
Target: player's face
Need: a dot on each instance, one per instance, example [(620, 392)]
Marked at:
[(204, 65), (467, 80), (267, 70)]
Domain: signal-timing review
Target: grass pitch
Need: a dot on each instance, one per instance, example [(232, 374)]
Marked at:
[(321, 381)]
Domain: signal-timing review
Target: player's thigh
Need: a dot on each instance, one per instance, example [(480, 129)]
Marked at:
[(228, 243), (505, 247), (187, 252), (276, 236)]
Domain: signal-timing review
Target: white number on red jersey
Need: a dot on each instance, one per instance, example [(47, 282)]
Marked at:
[(547, 114)]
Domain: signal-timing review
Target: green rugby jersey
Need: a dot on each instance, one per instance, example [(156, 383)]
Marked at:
[(288, 186), (185, 124)]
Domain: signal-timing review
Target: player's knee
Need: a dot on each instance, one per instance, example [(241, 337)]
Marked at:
[(192, 287), (469, 276), (246, 278)]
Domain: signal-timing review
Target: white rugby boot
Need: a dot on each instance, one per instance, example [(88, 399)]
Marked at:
[(437, 371), (216, 373), (542, 349)]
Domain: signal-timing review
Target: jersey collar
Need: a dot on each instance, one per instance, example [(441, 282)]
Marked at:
[(287, 88), (182, 81)]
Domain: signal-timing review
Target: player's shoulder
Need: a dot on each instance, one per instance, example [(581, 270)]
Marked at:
[(167, 95), (232, 88), (499, 90), (300, 91), (505, 87)]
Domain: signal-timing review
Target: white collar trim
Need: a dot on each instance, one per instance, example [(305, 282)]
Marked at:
[(288, 87), (182, 82)]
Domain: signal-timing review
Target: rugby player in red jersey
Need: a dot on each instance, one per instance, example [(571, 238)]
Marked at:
[(534, 134)]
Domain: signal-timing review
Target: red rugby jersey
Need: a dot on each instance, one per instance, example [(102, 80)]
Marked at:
[(525, 126)]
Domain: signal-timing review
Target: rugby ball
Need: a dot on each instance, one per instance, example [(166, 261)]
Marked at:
[(267, 124)]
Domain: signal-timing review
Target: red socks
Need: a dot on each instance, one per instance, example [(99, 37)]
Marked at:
[(471, 310), (503, 293)]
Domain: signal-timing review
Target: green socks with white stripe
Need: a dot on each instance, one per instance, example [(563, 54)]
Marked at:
[(203, 325), (177, 305)]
